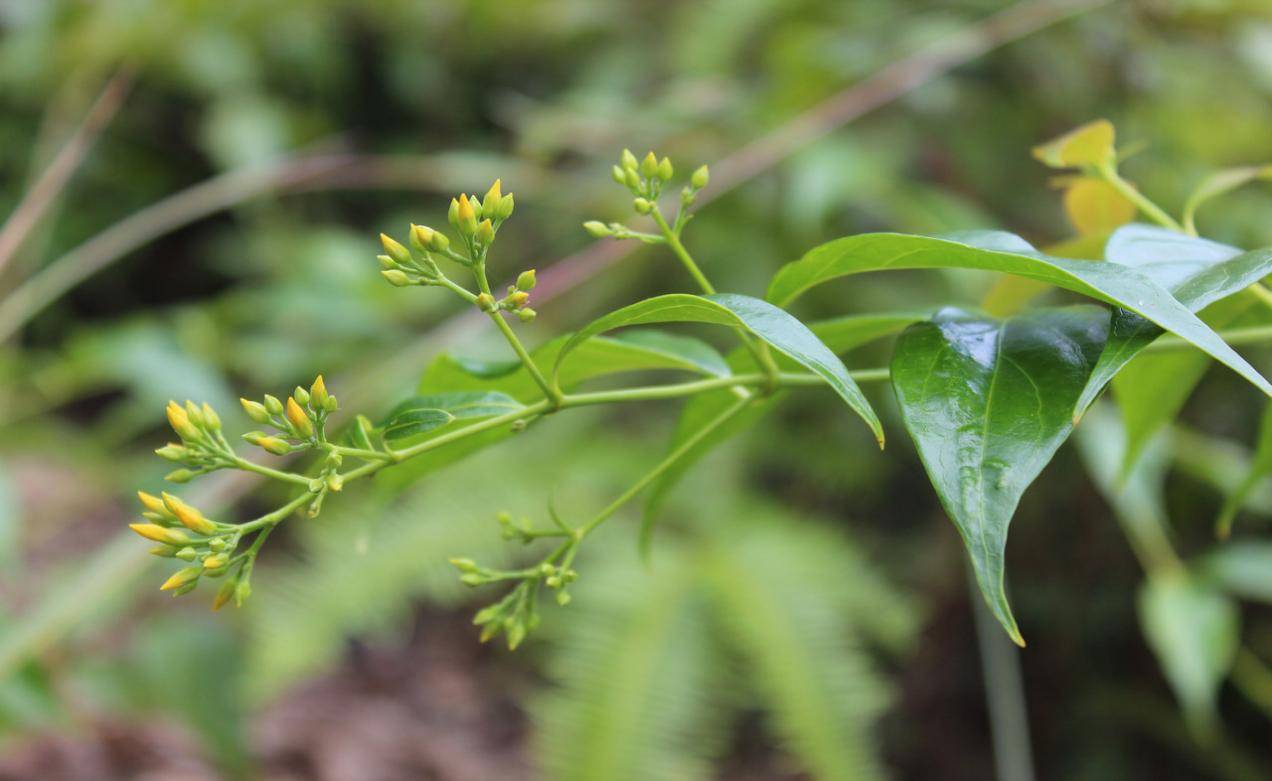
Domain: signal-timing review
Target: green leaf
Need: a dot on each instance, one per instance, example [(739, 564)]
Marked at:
[(988, 403), (840, 334), (680, 351), (989, 250), (1222, 182), (1243, 569), (1260, 468), (1194, 632), (422, 414), (775, 326), (1197, 272)]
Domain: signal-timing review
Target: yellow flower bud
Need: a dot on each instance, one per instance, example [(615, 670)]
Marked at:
[(421, 237), (700, 177), (395, 250), (157, 533), (299, 420), (466, 216), (215, 561), (519, 298), (179, 419), (396, 278), (181, 577), (490, 203), (318, 394), (152, 503), (597, 229), (224, 594), (485, 302), (526, 280), (189, 516)]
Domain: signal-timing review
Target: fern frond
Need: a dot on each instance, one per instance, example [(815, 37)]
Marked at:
[(783, 592), (633, 678)]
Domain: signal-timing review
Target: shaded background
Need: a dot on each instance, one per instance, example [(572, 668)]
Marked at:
[(239, 159)]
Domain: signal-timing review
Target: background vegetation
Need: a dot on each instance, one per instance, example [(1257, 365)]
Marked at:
[(808, 612)]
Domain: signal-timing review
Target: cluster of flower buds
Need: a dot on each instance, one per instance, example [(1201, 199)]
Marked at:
[(644, 179), (202, 448), (402, 267), (183, 532), (516, 615), (300, 421), (478, 221), (516, 301)]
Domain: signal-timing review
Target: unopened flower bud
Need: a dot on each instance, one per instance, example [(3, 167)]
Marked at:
[(526, 314), (649, 166), (179, 419), (472, 579), (195, 414), (335, 482), (490, 204), (157, 533), (396, 278), (526, 280), (386, 262), (464, 565), (665, 171), (485, 302), (273, 405), (618, 174), (700, 177), (395, 250), (597, 229), (300, 395), (421, 237), (642, 206), (210, 419), (466, 216), (181, 578), (173, 452), (627, 159), (152, 503), (505, 207), (241, 592), (632, 179), (215, 561), (267, 443), (485, 232), (563, 598), (180, 476), (224, 594), (439, 242), (519, 299), (163, 551), (330, 405), (255, 410), (299, 420), (190, 517), (318, 394)]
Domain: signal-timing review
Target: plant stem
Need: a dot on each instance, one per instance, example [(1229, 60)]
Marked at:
[(551, 393), (661, 467), (261, 469), (1004, 694), (1108, 172), (273, 518)]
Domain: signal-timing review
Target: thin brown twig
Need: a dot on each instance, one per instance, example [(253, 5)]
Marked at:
[(65, 163)]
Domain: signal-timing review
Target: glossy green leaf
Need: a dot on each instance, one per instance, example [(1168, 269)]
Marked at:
[(1197, 273), (840, 334), (996, 251), (775, 326), (1194, 632), (988, 403), (422, 414), (1260, 468)]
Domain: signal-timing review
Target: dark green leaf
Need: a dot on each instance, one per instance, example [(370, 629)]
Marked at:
[(775, 326), (1112, 283), (987, 403), (421, 414)]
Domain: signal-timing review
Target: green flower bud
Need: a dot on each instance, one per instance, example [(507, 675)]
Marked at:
[(506, 206), (255, 410), (452, 214), (472, 579), (330, 405), (619, 175), (210, 418), (490, 204), (439, 242), (195, 415), (164, 551), (632, 179), (224, 594), (464, 565), (526, 280), (187, 554), (641, 206), (485, 232), (563, 598), (700, 177), (395, 250), (649, 166), (396, 278), (318, 394), (665, 171), (173, 452), (273, 405), (597, 229), (386, 262), (241, 592), (627, 159), (301, 396), (180, 476), (526, 314)]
